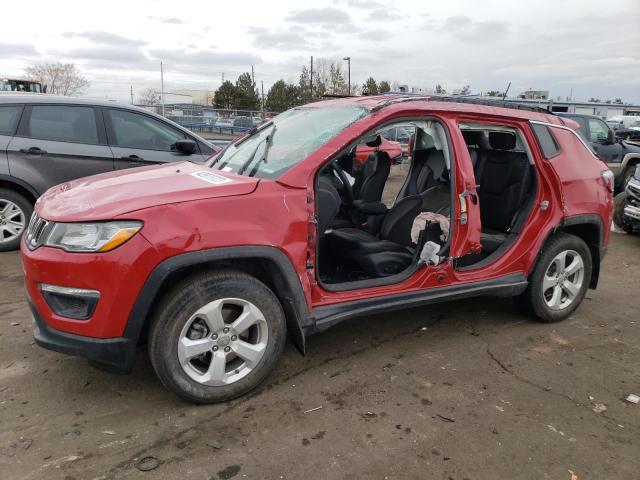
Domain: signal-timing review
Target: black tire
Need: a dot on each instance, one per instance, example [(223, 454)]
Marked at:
[(26, 210), (619, 203), (176, 310), (626, 176), (532, 300)]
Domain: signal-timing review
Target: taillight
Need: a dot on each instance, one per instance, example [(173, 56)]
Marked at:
[(609, 179)]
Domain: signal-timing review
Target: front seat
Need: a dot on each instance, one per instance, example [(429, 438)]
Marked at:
[(428, 175), (388, 253), (370, 181)]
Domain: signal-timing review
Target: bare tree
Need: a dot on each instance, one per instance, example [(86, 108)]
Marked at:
[(59, 78), (149, 96)]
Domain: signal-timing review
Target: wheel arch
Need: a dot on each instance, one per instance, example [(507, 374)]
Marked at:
[(589, 228), (17, 185), (268, 264)]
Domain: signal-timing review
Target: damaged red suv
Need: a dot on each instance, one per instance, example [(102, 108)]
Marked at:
[(282, 232)]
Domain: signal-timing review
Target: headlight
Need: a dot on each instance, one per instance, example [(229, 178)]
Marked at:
[(91, 237)]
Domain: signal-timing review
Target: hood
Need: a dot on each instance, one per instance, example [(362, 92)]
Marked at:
[(105, 196)]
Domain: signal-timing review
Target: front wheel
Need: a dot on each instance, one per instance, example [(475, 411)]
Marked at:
[(559, 280), (217, 336), (15, 211)]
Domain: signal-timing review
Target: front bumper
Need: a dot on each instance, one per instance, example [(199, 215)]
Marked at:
[(114, 352), (632, 212)]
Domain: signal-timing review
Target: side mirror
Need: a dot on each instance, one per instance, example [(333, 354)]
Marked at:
[(186, 146), (611, 137)]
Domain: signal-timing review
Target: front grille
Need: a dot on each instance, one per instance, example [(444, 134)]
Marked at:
[(634, 186), (35, 231)]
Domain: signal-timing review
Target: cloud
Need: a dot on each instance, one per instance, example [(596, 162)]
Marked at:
[(326, 17), (205, 60), (291, 38), (105, 38), (13, 50), (383, 15), (471, 30), (364, 4), (130, 57), (169, 20)]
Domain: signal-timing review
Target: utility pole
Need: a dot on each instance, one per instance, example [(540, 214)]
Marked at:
[(222, 77), (262, 88), (253, 79), (131, 94), (348, 59), (162, 87), (311, 79)]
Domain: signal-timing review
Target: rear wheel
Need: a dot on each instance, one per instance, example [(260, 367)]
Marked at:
[(15, 211), (559, 280), (217, 336)]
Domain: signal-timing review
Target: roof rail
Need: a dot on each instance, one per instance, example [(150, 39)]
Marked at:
[(409, 97)]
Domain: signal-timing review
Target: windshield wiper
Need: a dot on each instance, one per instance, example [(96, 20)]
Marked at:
[(249, 161), (254, 170)]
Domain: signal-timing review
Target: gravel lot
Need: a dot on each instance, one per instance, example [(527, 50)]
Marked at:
[(466, 390)]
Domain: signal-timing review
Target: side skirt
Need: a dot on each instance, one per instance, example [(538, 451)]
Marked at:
[(327, 316)]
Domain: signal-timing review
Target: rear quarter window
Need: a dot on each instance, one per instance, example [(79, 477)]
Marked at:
[(8, 119), (546, 140)]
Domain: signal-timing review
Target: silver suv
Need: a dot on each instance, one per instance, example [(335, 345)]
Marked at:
[(46, 140)]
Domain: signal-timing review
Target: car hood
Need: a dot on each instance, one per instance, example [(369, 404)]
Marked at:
[(108, 195)]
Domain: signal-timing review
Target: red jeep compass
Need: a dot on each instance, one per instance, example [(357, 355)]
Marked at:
[(283, 232)]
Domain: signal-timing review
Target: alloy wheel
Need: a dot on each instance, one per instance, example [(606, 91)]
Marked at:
[(12, 221), (222, 342), (563, 280)]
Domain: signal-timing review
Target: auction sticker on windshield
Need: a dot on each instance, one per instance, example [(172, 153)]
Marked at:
[(211, 177)]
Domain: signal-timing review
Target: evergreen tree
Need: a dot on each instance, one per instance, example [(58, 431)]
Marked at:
[(247, 94), (384, 87), (370, 87), (282, 96), (225, 96)]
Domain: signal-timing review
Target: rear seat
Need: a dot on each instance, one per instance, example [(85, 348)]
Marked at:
[(504, 177)]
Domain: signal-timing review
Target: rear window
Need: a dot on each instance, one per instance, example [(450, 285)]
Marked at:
[(63, 124), (546, 140), (8, 119)]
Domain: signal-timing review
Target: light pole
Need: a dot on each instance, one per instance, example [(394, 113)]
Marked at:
[(348, 59)]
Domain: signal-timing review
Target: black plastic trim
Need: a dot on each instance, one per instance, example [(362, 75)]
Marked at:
[(117, 353), (294, 305), (325, 317), (20, 183)]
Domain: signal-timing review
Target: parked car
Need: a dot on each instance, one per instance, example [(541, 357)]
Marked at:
[(257, 121), (47, 140), (626, 215), (245, 122), (213, 266), (393, 149), (402, 135), (621, 156)]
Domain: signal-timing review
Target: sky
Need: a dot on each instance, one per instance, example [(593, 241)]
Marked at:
[(588, 47)]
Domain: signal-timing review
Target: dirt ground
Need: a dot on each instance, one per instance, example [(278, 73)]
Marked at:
[(466, 390)]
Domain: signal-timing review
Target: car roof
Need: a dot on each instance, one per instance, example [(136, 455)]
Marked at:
[(34, 98), (435, 103)]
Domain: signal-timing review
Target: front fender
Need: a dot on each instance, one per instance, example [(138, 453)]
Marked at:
[(289, 288)]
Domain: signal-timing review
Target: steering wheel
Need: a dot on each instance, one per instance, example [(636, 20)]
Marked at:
[(345, 181)]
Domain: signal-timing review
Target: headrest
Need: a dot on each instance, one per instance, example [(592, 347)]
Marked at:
[(374, 141), (502, 140), (423, 141), (474, 138)]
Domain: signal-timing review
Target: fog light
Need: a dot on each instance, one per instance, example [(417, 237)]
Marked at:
[(76, 303)]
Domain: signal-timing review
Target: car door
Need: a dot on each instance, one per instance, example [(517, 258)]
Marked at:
[(57, 143), (9, 116), (611, 152), (137, 139), (466, 206)]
